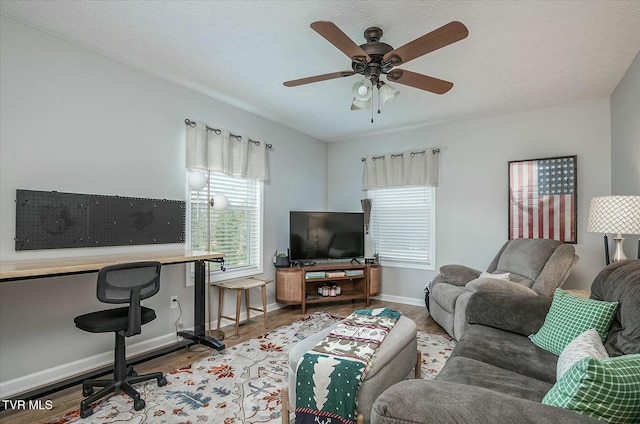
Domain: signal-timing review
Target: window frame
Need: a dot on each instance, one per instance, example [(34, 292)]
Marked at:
[(430, 263), (215, 273)]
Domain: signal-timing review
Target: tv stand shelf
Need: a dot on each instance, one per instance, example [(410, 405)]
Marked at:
[(294, 285)]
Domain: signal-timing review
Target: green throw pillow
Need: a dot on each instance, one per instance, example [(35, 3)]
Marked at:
[(606, 389), (570, 316)]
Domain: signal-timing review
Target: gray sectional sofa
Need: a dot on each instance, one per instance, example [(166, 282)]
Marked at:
[(496, 374)]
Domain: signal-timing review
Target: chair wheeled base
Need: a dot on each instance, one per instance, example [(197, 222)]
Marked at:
[(123, 379)]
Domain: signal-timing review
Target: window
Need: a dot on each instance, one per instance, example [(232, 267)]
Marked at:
[(402, 226), (235, 231)]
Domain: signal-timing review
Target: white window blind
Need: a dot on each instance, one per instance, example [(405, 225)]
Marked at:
[(235, 231), (402, 226)]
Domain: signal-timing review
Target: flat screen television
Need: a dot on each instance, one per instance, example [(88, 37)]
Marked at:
[(326, 235)]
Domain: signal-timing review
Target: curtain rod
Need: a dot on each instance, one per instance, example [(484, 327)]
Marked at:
[(434, 151), (193, 124)]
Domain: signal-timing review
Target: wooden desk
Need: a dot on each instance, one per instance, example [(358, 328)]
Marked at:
[(41, 268)]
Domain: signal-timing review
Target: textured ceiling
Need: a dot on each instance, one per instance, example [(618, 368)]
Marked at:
[(519, 55)]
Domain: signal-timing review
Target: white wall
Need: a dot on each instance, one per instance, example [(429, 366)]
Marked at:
[(625, 142), (74, 121), (473, 193)]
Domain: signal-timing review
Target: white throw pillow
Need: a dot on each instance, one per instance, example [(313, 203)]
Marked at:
[(503, 276), (586, 345)]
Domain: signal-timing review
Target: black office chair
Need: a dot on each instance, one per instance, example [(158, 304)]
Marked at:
[(123, 283)]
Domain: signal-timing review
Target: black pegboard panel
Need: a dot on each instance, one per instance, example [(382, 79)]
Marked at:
[(54, 220)]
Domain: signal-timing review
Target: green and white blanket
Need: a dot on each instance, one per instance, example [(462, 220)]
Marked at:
[(329, 375)]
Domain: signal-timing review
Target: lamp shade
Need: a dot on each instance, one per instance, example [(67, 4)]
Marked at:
[(614, 214), (219, 202), (387, 93), (197, 180)]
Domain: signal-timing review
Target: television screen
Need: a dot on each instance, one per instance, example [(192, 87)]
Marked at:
[(326, 235)]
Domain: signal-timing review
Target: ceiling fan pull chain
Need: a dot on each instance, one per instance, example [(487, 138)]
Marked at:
[(372, 105)]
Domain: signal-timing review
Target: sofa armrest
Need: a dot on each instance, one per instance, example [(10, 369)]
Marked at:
[(433, 401), (520, 314), (458, 275)]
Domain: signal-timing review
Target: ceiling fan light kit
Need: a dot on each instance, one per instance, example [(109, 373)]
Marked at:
[(362, 90), (386, 92), (359, 104), (375, 58)]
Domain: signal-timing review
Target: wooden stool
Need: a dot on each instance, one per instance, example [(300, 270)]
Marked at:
[(242, 285)]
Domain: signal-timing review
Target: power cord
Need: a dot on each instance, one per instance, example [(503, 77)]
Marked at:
[(177, 324)]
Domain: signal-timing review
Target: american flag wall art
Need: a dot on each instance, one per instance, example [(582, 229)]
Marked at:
[(542, 199)]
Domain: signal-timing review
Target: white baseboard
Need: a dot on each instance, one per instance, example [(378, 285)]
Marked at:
[(399, 299), (61, 372)]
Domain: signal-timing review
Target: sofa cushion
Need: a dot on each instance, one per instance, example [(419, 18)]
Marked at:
[(557, 270), (525, 258), (439, 402), (620, 282), (475, 373), (607, 389), (568, 317), (519, 314), (586, 345), (506, 350)]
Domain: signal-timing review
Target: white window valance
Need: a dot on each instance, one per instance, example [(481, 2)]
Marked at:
[(217, 150), (411, 168)]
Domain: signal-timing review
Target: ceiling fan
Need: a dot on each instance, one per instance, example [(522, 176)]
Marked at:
[(374, 59)]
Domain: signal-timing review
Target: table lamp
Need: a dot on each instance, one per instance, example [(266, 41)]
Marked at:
[(615, 214)]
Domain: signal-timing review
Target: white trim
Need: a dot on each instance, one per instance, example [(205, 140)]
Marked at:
[(215, 274), (51, 375), (407, 265), (404, 300), (391, 205)]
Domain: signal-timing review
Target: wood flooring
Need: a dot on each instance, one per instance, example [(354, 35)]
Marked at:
[(69, 400)]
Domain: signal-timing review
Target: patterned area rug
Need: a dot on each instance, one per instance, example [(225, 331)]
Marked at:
[(238, 385)]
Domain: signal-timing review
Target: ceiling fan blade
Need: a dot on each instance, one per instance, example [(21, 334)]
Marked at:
[(441, 37), (318, 78), (423, 82), (335, 36)]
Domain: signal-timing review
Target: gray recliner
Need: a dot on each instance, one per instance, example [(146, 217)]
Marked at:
[(522, 266)]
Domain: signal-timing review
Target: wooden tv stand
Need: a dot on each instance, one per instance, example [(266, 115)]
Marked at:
[(296, 286)]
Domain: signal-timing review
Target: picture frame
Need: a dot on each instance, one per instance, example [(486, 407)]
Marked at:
[(543, 199)]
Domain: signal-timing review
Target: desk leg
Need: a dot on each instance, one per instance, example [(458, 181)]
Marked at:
[(199, 334)]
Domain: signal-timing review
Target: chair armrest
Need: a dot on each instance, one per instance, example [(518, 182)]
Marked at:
[(498, 285), (458, 275), (520, 314), (434, 401)]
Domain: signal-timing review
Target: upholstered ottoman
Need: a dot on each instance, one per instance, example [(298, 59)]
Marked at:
[(392, 362)]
